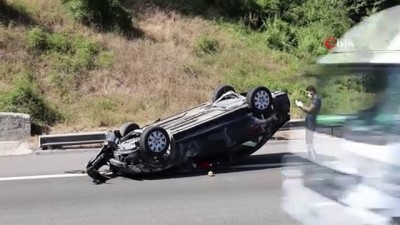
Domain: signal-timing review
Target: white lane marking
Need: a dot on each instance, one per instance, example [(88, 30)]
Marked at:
[(36, 177), (41, 177)]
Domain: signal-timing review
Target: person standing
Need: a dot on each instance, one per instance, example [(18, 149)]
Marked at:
[(312, 112)]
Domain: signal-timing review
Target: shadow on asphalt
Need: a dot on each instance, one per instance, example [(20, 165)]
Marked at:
[(251, 163)]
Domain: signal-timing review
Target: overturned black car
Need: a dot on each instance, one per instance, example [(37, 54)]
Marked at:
[(232, 126)]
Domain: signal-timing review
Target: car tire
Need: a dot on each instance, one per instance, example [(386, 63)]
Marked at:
[(259, 99), (126, 128), (219, 91), (154, 141)]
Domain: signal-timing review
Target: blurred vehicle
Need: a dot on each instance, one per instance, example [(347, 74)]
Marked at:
[(231, 126), (354, 178)]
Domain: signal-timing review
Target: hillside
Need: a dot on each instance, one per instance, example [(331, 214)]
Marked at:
[(74, 76)]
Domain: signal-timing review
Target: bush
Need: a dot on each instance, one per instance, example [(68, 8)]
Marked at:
[(103, 14), (70, 54), (104, 59), (59, 43), (84, 53), (359, 9), (26, 98), (206, 46), (250, 12), (38, 39), (280, 35), (303, 28), (68, 57)]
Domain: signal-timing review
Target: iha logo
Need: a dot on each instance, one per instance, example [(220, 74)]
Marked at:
[(332, 42)]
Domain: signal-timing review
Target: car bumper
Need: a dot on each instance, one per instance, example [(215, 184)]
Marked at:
[(309, 207)]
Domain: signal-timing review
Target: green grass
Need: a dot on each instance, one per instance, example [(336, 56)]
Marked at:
[(81, 78)]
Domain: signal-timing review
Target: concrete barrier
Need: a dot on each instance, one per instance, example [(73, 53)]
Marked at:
[(14, 126), (15, 131)]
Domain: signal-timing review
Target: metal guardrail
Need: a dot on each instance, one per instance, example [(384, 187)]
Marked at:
[(58, 140), (293, 124), (300, 123), (77, 139)]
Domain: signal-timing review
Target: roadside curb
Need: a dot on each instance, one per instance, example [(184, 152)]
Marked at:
[(13, 148)]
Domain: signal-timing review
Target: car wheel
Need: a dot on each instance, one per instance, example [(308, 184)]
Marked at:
[(219, 91), (154, 141), (259, 99), (126, 128)]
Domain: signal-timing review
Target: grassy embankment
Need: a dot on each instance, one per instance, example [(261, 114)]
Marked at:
[(73, 77)]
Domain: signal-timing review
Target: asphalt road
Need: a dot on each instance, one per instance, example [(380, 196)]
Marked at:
[(240, 195)]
